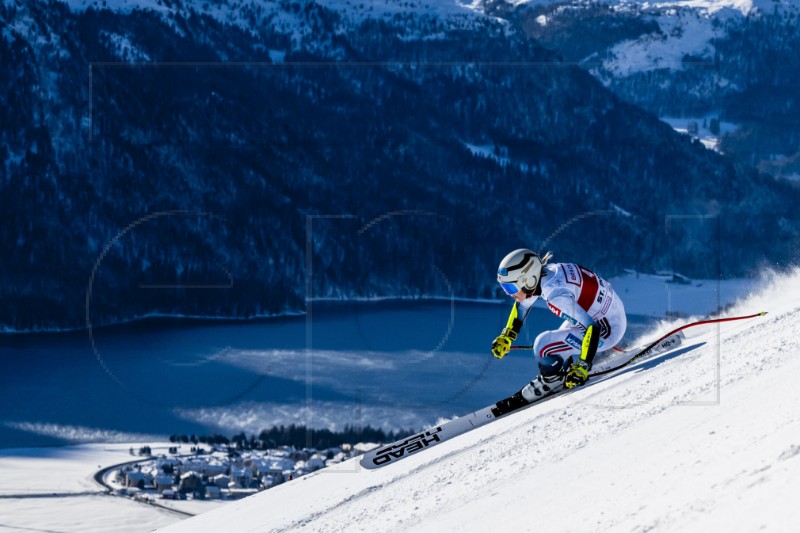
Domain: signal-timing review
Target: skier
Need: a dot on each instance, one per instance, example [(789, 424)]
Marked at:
[(594, 318)]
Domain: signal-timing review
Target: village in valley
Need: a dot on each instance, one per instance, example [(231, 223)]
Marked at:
[(212, 472)]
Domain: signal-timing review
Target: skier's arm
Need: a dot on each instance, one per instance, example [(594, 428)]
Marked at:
[(502, 344), (514, 323), (565, 306)]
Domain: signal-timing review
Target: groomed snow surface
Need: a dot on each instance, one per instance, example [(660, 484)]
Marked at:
[(706, 438)]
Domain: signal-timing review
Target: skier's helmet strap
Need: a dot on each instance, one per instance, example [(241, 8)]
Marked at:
[(519, 270)]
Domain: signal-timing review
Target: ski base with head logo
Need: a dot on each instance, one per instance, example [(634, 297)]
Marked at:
[(391, 453)]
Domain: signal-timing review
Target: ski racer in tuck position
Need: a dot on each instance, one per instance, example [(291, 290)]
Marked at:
[(594, 318)]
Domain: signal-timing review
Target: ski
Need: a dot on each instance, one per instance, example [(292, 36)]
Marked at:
[(664, 344), (396, 451), (391, 453)]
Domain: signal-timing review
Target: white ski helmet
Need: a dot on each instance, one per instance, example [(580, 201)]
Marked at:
[(519, 270)]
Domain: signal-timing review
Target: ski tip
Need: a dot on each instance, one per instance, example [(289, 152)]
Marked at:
[(762, 313)]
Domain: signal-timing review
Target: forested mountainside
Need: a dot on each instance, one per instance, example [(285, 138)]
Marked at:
[(233, 159)]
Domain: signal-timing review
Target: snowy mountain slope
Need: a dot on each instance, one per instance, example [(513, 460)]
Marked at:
[(687, 29), (684, 29), (708, 6), (705, 438), (291, 16), (703, 60)]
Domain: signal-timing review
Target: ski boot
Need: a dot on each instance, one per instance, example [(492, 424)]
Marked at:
[(552, 371)]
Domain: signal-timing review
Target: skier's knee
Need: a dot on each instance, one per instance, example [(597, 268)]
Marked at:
[(551, 366), (541, 342)]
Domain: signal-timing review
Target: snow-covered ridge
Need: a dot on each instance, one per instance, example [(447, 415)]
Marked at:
[(714, 6), (687, 28), (249, 13), (704, 438), (444, 7), (414, 19), (684, 33), (707, 6)]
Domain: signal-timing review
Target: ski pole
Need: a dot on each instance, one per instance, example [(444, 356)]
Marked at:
[(673, 332), (685, 326)]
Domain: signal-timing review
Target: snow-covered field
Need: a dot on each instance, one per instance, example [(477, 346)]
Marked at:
[(706, 438), (52, 489), (709, 139)]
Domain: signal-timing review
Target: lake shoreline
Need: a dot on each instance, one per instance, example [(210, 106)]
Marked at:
[(651, 286), (167, 319)]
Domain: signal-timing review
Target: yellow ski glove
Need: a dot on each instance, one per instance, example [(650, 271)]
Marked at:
[(502, 344)]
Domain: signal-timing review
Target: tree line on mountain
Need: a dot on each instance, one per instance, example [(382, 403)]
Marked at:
[(242, 188)]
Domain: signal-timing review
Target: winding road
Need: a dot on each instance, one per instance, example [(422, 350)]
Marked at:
[(99, 478)]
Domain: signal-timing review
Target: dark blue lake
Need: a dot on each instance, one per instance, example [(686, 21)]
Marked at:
[(391, 364)]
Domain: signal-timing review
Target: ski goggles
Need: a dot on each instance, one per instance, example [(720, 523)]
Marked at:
[(509, 288)]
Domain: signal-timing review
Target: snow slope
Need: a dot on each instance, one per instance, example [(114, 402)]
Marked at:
[(706, 438), (52, 489), (686, 28)]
